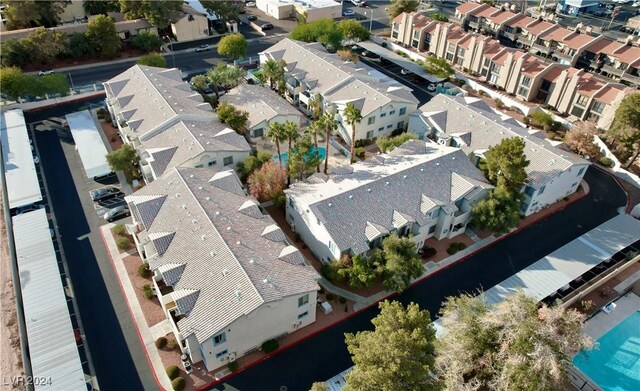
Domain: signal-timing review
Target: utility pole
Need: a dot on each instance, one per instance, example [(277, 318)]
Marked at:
[(616, 11)]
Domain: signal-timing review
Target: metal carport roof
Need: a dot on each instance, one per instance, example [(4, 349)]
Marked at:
[(89, 143), (52, 345), (19, 169)]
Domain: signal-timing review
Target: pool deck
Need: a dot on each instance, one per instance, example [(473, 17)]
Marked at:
[(602, 322)]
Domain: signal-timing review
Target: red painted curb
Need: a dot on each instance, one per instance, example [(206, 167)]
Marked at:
[(144, 348)]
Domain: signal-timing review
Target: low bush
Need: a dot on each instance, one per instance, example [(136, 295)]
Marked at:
[(147, 291), (455, 247), (498, 103), (178, 384), (461, 82), (270, 346), (172, 371), (321, 290), (143, 271), (172, 344), (328, 272), (233, 366), (526, 120), (429, 252), (605, 161), (160, 344), (123, 243), (360, 152), (119, 229), (482, 93), (342, 300)]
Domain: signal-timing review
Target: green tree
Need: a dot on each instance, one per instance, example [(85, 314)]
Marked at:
[(124, 159), (314, 129), (275, 131), (102, 35), (267, 182), (626, 128), (30, 13), (291, 132), (302, 160), (234, 118), (226, 10), (159, 14), (581, 140), (146, 41), (438, 67), (200, 82), (387, 144), (352, 116), (324, 31), (234, 75), (273, 71), (498, 213), (402, 262), (362, 273), (153, 60), (330, 124), (16, 84), (14, 53), (316, 105), (399, 354), (331, 39), (233, 46), (252, 163), (79, 46), (505, 165), (399, 6), (516, 344), (217, 77), (353, 30), (98, 7), (439, 16), (319, 386), (45, 45)]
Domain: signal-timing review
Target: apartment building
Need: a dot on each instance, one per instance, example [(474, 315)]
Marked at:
[(169, 124), (225, 274), (384, 104), (617, 60), (419, 189), (474, 127), (264, 107)]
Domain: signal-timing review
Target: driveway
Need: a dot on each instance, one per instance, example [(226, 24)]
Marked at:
[(325, 355), (417, 84)]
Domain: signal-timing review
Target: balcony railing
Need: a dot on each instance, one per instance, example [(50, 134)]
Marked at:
[(536, 47), (631, 78), (563, 56), (610, 69)]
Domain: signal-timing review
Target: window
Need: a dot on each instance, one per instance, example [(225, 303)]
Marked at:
[(302, 300), (581, 171), (211, 163), (493, 78), (303, 315), (371, 120), (526, 81), (529, 191), (199, 166), (389, 126), (332, 247), (222, 354), (403, 111), (219, 339), (523, 91), (597, 107), (486, 62), (369, 134), (382, 115), (432, 229), (380, 129), (228, 160), (291, 203), (582, 100), (258, 132), (577, 111), (392, 112), (451, 47), (541, 190), (394, 34), (400, 125), (449, 57), (508, 29)]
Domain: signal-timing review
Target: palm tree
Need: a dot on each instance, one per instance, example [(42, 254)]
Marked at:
[(291, 131), (275, 132), (218, 77), (353, 116), (315, 105), (273, 71), (330, 124), (234, 75), (314, 129)]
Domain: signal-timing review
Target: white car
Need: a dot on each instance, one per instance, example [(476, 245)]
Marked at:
[(624, 1), (46, 72), (348, 13), (636, 4), (404, 72)]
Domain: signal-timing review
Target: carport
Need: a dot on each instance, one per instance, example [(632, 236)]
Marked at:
[(399, 60), (89, 144)]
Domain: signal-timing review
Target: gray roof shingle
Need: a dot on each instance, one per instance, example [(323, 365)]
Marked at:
[(260, 102)]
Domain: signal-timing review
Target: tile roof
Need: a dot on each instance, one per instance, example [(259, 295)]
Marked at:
[(576, 40), (532, 66), (589, 85), (538, 27), (501, 17), (489, 128), (260, 102), (483, 12), (467, 7), (608, 94), (375, 196), (627, 54), (150, 96), (554, 72), (520, 21), (219, 263), (555, 33), (603, 45)]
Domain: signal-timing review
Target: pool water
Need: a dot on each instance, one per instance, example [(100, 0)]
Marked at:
[(614, 364), (321, 151)]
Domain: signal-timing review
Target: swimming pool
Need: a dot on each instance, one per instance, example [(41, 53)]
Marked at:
[(614, 364), (321, 151)]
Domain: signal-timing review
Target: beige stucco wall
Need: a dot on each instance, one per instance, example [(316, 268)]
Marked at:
[(187, 30), (72, 11)]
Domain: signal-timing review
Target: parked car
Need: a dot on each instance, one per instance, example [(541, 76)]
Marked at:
[(266, 26), (360, 3), (404, 71), (46, 72), (104, 193), (250, 4), (116, 213), (370, 55), (203, 48), (624, 1), (348, 13), (104, 177), (36, 159), (251, 18), (636, 4)]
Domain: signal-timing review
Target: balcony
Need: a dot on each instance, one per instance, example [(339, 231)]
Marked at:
[(612, 70), (635, 80), (563, 57), (538, 48), (473, 25), (524, 42), (511, 35)]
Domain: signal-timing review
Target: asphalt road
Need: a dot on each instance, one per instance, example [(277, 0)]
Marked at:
[(117, 355), (325, 355)]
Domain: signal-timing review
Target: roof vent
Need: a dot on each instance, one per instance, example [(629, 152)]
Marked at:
[(437, 163), (238, 295), (369, 190), (191, 176), (217, 213), (184, 206), (422, 170), (251, 261), (199, 134), (207, 198), (387, 183), (238, 243), (212, 253), (202, 237), (229, 228), (199, 187), (350, 196), (225, 272), (194, 221), (330, 204), (177, 195), (404, 176), (453, 158)]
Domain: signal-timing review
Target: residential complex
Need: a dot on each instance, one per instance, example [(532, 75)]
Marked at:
[(384, 104), (310, 10), (168, 123), (420, 189), (264, 107), (473, 126), (221, 267), (511, 55)]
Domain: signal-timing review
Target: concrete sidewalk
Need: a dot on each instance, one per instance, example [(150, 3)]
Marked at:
[(144, 332)]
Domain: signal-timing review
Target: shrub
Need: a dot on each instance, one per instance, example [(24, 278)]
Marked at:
[(360, 152), (429, 252), (498, 103), (123, 243), (172, 371), (342, 300), (172, 344), (526, 120), (270, 346), (233, 366), (321, 290), (143, 271), (516, 109), (542, 118), (328, 272), (119, 229), (178, 384), (455, 247), (101, 112), (147, 291), (331, 297), (482, 93), (461, 82), (160, 344), (605, 161)]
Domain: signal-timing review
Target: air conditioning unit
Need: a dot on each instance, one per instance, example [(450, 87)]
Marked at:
[(442, 141), (297, 323), (231, 357)]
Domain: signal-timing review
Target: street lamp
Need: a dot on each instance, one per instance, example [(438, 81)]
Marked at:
[(371, 19)]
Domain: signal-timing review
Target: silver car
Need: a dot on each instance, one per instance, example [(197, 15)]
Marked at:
[(116, 213)]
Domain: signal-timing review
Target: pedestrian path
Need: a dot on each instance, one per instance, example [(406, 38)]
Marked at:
[(144, 332)]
